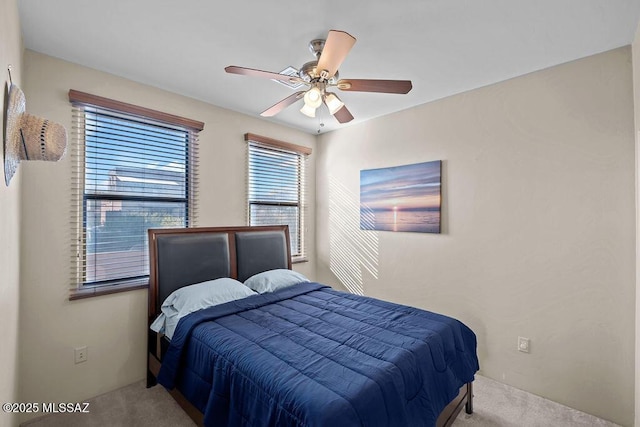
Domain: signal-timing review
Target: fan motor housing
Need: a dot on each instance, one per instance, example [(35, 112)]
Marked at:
[(309, 73)]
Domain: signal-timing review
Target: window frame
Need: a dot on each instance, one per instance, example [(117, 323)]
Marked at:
[(82, 103), (302, 154)]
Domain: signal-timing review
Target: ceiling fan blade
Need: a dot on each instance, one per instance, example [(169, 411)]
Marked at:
[(336, 48), (383, 86), (276, 108), (233, 69), (343, 115)]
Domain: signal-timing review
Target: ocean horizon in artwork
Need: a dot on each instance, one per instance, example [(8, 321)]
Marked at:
[(401, 198)]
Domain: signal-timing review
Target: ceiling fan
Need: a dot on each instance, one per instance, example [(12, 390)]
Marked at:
[(320, 75)]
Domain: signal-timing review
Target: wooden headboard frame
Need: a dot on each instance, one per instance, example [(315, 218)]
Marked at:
[(184, 256)]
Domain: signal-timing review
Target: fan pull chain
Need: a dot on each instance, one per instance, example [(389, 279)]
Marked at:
[(320, 110)]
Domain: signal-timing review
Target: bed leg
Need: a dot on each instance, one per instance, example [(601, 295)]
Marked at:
[(151, 379), (468, 407)]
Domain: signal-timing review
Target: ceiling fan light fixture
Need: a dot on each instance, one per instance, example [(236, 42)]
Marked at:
[(313, 98), (308, 111), (321, 74), (333, 103)]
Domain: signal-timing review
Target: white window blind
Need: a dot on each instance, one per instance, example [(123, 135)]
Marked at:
[(130, 173), (276, 187)]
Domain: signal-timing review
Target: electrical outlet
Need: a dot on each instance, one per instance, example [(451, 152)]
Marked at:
[(524, 344), (81, 354)]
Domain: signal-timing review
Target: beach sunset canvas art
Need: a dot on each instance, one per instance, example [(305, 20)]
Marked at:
[(401, 198)]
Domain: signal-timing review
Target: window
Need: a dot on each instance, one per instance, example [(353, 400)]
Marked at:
[(133, 169), (276, 187)]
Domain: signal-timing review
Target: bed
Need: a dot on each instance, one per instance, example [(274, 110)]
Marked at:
[(302, 355)]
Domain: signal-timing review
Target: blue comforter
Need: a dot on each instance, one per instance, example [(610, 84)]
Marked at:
[(311, 356)]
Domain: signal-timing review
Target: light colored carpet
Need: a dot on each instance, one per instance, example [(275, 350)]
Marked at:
[(495, 404), (133, 405)]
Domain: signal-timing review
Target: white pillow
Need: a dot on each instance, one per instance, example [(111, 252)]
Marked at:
[(197, 297), (272, 280)]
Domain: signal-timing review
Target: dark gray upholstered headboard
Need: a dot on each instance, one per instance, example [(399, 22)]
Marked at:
[(181, 257), (260, 251), (191, 258)]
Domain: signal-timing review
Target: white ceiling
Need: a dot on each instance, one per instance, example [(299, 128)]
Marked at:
[(443, 46)]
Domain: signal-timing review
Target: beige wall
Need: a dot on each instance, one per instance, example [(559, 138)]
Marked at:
[(636, 102), (10, 53), (113, 327), (538, 225)]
